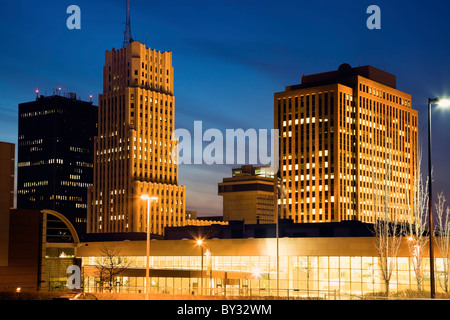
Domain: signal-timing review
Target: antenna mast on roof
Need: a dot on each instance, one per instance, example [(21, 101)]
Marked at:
[(127, 34)]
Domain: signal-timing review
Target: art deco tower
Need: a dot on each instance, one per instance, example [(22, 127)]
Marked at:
[(133, 150)]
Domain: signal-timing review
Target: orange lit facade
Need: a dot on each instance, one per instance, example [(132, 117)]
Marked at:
[(340, 132), (133, 150)]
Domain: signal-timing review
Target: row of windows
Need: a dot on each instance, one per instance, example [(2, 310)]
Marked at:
[(57, 197), (39, 113), (120, 55), (76, 184), (288, 111), (30, 142), (35, 184), (79, 149), (157, 192), (385, 95), (49, 161), (66, 198)]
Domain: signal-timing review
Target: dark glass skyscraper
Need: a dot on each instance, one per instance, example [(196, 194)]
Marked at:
[(55, 155)]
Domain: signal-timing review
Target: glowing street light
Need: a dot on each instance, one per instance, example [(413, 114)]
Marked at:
[(149, 199), (441, 102)]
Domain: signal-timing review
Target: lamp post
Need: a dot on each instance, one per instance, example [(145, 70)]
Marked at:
[(147, 268), (280, 193), (208, 254), (200, 244), (443, 103)]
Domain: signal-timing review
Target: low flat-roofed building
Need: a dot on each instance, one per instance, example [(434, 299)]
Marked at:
[(327, 260), (328, 267), (331, 260)]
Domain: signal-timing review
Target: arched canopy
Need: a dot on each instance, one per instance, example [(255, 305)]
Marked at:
[(66, 221)]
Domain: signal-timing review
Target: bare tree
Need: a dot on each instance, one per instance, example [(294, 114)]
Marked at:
[(417, 213), (307, 267), (443, 240), (387, 227), (110, 266)]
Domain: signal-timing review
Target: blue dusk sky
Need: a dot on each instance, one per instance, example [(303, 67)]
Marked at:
[(229, 58)]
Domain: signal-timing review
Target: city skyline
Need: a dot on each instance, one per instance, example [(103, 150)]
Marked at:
[(229, 59)]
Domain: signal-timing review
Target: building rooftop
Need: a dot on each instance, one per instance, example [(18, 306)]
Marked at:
[(119, 236), (250, 170), (286, 229), (262, 174), (345, 75)]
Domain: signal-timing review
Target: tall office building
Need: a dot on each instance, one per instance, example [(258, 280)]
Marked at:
[(133, 149), (249, 195), (342, 134), (55, 155)]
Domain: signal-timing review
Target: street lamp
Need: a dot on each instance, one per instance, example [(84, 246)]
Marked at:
[(200, 244), (149, 199), (208, 255), (442, 102)]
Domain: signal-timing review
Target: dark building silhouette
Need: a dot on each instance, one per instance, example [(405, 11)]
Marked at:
[(237, 229), (55, 155)]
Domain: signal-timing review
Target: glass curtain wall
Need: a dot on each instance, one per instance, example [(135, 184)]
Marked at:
[(331, 277)]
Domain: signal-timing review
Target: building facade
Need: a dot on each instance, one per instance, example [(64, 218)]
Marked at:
[(55, 155), (42, 247), (133, 149), (7, 169), (323, 267), (343, 134), (249, 195)]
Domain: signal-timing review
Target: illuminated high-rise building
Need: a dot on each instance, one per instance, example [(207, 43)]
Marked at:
[(133, 149), (343, 134)]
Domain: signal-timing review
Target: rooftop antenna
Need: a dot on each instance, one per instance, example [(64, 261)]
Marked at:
[(127, 34)]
